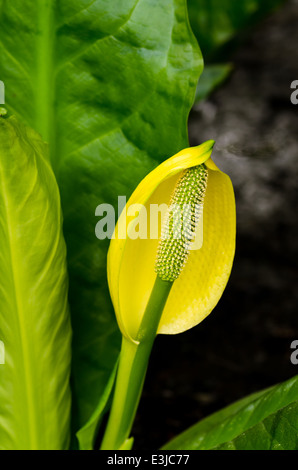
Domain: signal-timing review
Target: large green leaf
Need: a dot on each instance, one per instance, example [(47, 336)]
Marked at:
[(277, 432), (251, 413), (34, 318), (109, 84)]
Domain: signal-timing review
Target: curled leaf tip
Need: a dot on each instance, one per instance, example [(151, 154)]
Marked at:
[(206, 146), (211, 143)]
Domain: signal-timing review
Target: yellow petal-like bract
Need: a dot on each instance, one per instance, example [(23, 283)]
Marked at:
[(132, 258)]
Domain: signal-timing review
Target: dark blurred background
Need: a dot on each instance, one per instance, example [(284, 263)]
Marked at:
[(244, 345)]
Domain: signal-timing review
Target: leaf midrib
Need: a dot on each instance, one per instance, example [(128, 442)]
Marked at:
[(45, 77)]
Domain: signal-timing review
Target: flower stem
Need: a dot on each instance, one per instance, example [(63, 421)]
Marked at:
[(132, 369)]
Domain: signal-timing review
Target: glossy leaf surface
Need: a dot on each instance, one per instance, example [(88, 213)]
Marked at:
[(258, 417), (277, 432), (34, 317)]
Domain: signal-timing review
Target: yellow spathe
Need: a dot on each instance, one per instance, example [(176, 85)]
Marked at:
[(131, 262)]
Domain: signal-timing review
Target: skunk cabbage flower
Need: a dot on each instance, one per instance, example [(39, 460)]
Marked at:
[(198, 266)]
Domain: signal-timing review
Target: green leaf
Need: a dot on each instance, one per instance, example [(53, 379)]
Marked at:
[(212, 77), (34, 318), (231, 422), (217, 22), (87, 434), (109, 84), (277, 432), (128, 444)]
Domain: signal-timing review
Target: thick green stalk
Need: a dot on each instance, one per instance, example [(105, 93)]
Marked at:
[(131, 374)]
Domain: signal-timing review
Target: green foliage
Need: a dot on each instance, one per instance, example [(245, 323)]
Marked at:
[(217, 22), (212, 77), (110, 92), (264, 420), (277, 432), (109, 85), (34, 318), (218, 25), (87, 434)]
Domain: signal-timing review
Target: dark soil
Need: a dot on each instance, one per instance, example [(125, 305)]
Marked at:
[(244, 345)]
